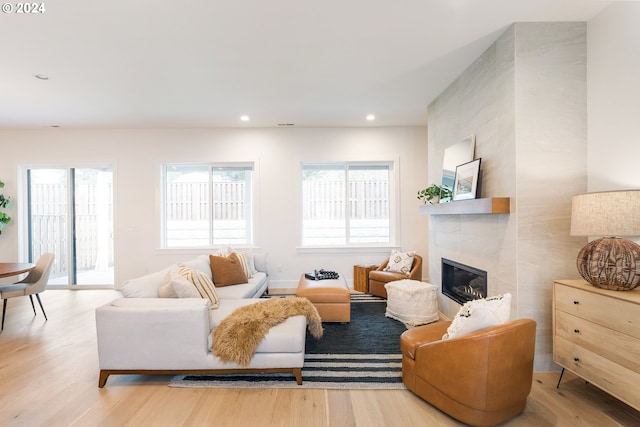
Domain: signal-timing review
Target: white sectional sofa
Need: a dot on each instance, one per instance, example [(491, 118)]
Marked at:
[(151, 285), (146, 333)]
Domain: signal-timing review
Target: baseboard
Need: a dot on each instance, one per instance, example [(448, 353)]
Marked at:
[(442, 316)]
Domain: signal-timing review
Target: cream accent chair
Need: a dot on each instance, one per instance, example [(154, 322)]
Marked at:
[(482, 378), (34, 283), (378, 277)]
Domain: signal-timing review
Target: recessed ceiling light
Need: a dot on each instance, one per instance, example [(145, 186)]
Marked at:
[(41, 77), (244, 118), (371, 117)]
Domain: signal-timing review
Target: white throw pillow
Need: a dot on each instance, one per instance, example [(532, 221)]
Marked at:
[(148, 285), (167, 291), (400, 262), (479, 314), (183, 287)]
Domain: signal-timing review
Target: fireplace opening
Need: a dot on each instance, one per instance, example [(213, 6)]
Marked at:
[(463, 283)]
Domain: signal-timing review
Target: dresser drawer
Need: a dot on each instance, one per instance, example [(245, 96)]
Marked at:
[(611, 312), (615, 379), (617, 347)]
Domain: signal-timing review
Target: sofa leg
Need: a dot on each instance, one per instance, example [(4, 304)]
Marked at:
[(297, 372), (103, 378)]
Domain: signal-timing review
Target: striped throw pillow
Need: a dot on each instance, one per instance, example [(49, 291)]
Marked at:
[(244, 262), (202, 283)]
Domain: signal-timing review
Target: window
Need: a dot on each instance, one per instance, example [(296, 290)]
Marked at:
[(206, 205), (70, 213), (346, 204)]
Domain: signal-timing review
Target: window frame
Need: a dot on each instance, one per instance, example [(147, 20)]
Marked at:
[(352, 247), (211, 166)]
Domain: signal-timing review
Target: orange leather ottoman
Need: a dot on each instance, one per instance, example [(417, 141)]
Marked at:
[(331, 297)]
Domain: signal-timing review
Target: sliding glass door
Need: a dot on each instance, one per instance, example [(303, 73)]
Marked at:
[(70, 213)]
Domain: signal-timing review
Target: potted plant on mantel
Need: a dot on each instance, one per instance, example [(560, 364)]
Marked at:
[(432, 194), (4, 203)]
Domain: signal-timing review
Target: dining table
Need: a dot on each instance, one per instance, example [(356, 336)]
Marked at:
[(8, 269)]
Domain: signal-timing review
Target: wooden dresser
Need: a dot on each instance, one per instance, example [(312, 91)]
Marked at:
[(596, 335)]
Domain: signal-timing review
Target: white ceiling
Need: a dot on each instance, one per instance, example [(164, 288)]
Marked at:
[(204, 63)]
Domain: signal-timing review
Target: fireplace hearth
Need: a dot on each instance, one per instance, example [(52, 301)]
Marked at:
[(463, 283)]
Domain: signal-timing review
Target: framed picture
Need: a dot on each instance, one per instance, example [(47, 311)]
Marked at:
[(457, 154), (466, 182)]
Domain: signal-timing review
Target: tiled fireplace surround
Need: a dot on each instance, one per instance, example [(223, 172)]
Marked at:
[(524, 99)]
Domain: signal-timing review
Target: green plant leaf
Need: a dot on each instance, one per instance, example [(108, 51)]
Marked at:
[(5, 202)]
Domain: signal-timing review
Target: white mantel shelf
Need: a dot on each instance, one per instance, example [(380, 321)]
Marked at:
[(491, 205)]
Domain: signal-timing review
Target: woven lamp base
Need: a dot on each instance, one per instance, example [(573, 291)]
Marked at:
[(610, 263)]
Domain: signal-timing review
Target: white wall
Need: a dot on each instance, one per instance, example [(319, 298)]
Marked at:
[(136, 156), (525, 100), (610, 162), (613, 82)]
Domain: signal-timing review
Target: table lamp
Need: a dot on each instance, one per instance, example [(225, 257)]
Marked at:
[(609, 262)]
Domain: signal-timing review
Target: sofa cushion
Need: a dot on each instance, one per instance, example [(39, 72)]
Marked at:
[(261, 261), (400, 262), (242, 291), (147, 286), (144, 303), (202, 283), (479, 314), (200, 263), (227, 270)]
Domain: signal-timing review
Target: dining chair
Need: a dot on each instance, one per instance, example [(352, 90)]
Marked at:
[(34, 283)]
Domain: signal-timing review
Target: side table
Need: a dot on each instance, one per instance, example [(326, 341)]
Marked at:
[(361, 277)]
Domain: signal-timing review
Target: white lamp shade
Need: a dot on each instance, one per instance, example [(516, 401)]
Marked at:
[(610, 213)]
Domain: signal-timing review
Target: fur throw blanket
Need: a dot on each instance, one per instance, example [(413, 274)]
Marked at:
[(239, 334)]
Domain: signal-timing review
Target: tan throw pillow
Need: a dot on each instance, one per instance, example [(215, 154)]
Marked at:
[(227, 270), (202, 284), (250, 261), (244, 261)]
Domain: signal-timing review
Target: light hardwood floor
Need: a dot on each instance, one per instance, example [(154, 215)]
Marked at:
[(49, 376)]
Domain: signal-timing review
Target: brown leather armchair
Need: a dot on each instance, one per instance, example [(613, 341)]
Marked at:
[(378, 278), (482, 378)]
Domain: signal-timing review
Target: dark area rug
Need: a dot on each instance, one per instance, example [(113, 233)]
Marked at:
[(361, 354), (369, 331)]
